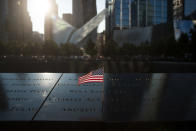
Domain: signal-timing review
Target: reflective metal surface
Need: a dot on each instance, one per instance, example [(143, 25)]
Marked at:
[(150, 97), (71, 102), (22, 94), (121, 98)]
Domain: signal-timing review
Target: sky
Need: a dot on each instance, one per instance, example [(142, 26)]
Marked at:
[(37, 9)]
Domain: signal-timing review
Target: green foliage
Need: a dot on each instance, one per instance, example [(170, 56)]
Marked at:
[(143, 49), (127, 49), (70, 50), (184, 38), (193, 42), (164, 47), (15, 48), (91, 48), (50, 48), (32, 49), (111, 48), (3, 49)]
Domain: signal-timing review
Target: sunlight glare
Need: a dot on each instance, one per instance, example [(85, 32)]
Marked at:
[(38, 7), (37, 10)]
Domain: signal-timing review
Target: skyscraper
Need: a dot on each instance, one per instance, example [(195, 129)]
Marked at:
[(15, 21), (83, 11), (183, 8), (19, 22), (109, 18), (68, 18), (3, 19), (183, 20), (130, 13), (48, 26), (130, 17)]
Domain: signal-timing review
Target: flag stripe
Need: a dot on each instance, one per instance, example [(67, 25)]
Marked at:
[(86, 75), (93, 80), (93, 76)]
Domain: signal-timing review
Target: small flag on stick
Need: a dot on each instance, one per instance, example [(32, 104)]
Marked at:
[(93, 76)]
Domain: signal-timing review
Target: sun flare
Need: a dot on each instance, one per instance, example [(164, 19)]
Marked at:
[(37, 10), (39, 7)]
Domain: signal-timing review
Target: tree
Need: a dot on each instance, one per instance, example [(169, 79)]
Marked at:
[(15, 47), (3, 49), (183, 45), (70, 50), (127, 49), (193, 43), (32, 48), (144, 48), (111, 48), (50, 48), (91, 48)]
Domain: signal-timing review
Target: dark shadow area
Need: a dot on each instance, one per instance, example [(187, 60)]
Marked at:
[(82, 66), (123, 97), (97, 126), (178, 103), (3, 97)]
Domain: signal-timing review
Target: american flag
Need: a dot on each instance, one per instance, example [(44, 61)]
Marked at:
[(93, 76)]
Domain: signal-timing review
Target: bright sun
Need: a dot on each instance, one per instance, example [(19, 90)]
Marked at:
[(38, 7), (37, 10)]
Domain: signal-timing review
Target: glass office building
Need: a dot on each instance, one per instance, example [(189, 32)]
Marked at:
[(131, 13), (122, 13), (182, 22), (3, 13), (3, 19), (183, 26), (190, 7), (183, 8)]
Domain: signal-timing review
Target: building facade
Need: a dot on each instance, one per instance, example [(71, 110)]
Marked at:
[(15, 21), (68, 18), (109, 19), (183, 8), (83, 11), (48, 26), (3, 19), (134, 21), (137, 13), (184, 18), (19, 22)]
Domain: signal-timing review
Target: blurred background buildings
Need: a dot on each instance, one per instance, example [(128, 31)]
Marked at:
[(129, 21), (184, 17), (184, 9), (135, 17), (15, 22), (48, 26), (137, 21), (83, 11)]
